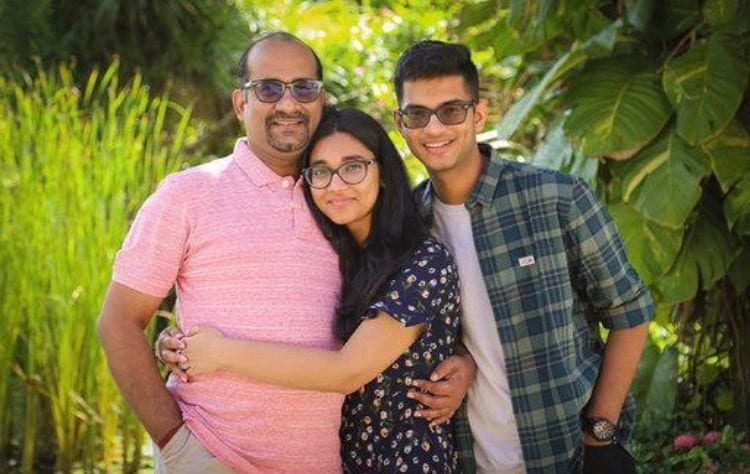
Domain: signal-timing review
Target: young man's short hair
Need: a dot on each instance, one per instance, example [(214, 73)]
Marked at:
[(429, 59)]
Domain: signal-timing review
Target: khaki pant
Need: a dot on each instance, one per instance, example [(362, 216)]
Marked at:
[(185, 454)]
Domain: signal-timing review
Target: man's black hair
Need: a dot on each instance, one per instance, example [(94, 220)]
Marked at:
[(242, 70), (430, 59)]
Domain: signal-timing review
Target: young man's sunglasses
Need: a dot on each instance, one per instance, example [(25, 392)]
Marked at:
[(272, 90), (453, 113)]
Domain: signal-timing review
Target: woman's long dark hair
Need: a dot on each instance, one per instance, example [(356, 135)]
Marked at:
[(397, 228)]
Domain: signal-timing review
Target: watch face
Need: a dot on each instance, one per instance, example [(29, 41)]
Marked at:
[(603, 430)]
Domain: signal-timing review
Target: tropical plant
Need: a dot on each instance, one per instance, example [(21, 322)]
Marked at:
[(649, 101)]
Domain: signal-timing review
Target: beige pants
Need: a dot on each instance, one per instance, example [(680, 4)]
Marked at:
[(185, 454)]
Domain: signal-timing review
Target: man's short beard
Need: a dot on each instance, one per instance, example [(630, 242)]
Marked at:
[(284, 144)]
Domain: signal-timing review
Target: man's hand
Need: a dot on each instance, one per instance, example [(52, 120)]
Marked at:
[(125, 315), (168, 349), (446, 389)]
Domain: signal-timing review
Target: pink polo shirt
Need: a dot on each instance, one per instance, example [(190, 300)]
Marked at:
[(239, 243)]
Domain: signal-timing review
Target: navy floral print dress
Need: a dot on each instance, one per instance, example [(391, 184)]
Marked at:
[(378, 431)]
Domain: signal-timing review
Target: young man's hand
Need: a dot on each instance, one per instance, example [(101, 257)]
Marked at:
[(446, 389)]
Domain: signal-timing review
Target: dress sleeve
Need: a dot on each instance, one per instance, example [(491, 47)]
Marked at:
[(421, 289)]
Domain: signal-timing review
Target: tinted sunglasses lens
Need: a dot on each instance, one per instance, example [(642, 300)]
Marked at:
[(452, 114), (305, 91), (415, 118), (269, 91)]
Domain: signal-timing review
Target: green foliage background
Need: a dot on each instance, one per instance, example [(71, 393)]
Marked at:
[(647, 100)]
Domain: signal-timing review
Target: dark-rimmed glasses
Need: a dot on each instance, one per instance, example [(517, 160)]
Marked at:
[(452, 113), (272, 90), (351, 172)]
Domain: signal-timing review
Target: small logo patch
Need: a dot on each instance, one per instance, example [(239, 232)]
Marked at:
[(526, 261)]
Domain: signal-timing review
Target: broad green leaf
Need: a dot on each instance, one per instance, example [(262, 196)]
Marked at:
[(681, 283), (730, 155), (584, 167), (718, 12), (674, 17), (518, 112), (739, 272), (655, 388), (639, 13), (618, 105), (706, 86), (600, 43), (663, 181), (706, 255), (739, 24), (737, 207), (651, 248), (555, 151)]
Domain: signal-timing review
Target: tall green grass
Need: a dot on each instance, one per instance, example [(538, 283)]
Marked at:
[(75, 165)]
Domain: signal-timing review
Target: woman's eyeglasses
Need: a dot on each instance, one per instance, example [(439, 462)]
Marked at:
[(453, 113), (351, 172), (272, 90)]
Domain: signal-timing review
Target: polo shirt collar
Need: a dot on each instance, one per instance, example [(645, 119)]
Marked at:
[(260, 174)]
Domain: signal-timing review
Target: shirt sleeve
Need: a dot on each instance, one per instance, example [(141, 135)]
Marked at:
[(600, 267), (420, 289), (153, 251)]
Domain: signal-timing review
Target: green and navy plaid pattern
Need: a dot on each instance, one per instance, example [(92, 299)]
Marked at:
[(554, 267)]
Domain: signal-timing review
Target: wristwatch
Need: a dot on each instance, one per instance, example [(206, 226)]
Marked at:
[(600, 429)]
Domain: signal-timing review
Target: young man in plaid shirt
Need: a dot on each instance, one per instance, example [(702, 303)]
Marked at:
[(541, 267)]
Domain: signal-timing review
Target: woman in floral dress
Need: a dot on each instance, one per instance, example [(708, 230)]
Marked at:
[(399, 312)]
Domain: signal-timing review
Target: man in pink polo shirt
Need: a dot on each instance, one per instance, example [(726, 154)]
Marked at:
[(237, 240)]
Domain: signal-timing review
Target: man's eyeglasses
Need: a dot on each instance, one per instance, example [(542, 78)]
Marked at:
[(272, 90), (351, 172), (453, 113)]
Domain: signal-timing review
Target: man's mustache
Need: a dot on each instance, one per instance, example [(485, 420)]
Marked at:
[(282, 116)]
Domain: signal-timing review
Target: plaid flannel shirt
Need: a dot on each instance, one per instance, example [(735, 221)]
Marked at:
[(554, 267)]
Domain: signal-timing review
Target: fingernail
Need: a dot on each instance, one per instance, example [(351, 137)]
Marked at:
[(410, 394), (183, 358), (434, 377), (417, 413)]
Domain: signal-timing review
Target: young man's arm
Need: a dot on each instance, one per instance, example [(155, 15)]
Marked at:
[(125, 315), (621, 357), (614, 291)]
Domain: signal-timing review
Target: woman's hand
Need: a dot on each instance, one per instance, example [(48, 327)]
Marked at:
[(168, 350), (203, 351)]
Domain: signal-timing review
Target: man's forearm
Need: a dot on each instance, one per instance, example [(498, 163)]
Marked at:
[(134, 369), (621, 357)]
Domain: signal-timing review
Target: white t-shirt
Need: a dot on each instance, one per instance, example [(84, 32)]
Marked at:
[(493, 425)]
